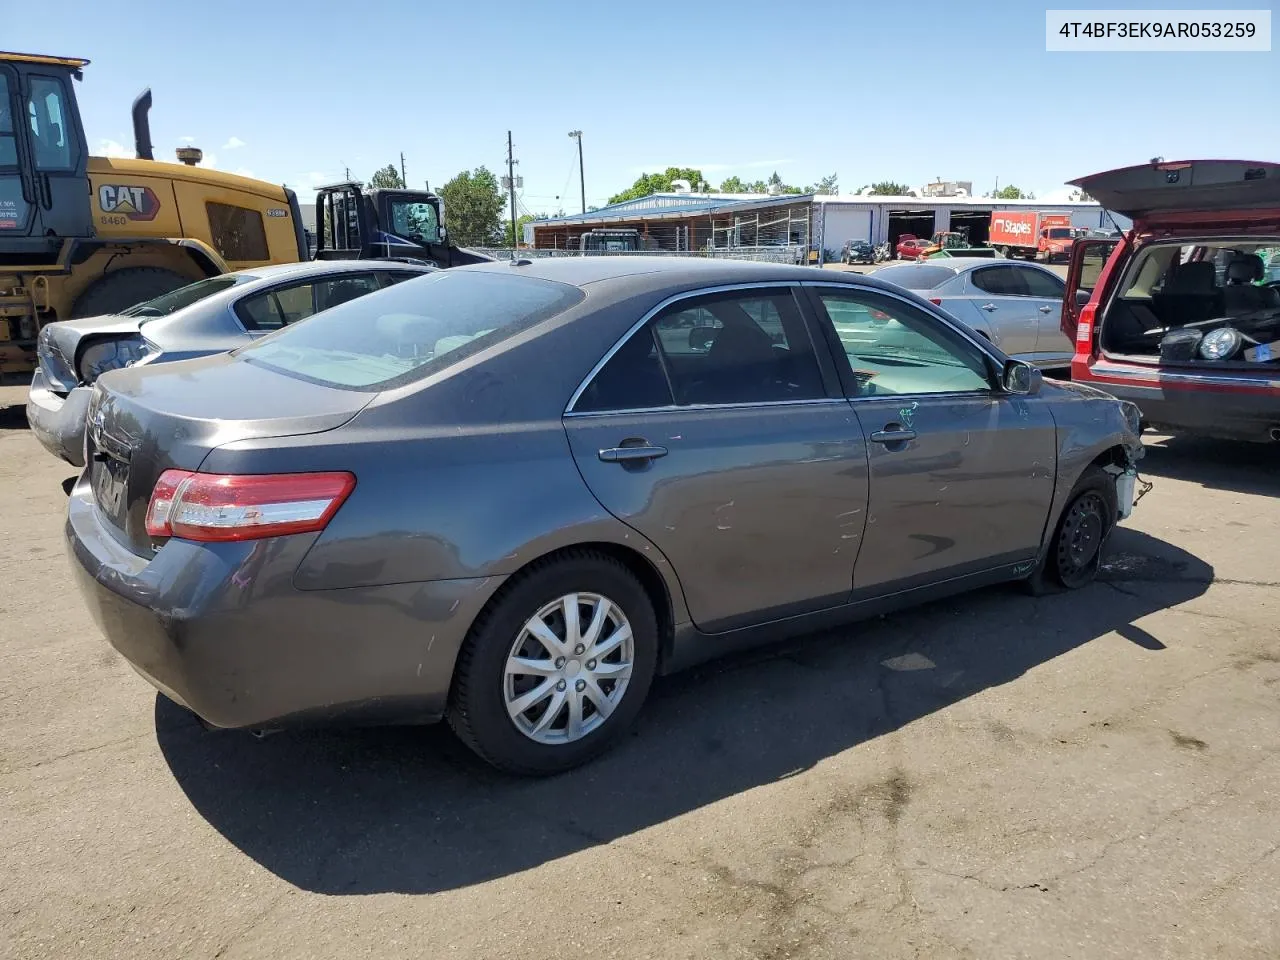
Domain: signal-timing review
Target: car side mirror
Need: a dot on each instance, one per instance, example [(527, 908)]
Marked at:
[(1083, 297), (1022, 379), (700, 338)]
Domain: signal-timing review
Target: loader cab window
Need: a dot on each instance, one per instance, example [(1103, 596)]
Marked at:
[(415, 220), (52, 141), (8, 138)]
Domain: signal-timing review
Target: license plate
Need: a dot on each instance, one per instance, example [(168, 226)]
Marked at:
[(108, 477)]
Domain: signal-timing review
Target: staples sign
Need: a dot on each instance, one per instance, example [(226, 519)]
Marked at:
[(1016, 227), (122, 202)]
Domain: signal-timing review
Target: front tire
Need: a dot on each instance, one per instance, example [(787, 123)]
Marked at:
[(557, 666), (1074, 555)]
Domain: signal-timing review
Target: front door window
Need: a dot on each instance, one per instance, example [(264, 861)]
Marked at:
[(53, 142)]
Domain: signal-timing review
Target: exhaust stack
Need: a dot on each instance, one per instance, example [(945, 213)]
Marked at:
[(141, 126)]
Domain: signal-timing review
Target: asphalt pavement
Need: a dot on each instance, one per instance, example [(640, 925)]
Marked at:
[(1084, 775)]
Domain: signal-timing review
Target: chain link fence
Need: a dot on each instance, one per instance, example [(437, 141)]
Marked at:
[(789, 253)]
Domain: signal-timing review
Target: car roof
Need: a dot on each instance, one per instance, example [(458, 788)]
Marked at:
[(648, 272), (315, 268)]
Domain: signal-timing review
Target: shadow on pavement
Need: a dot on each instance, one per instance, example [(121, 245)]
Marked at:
[(409, 810), (13, 417), (1221, 464)]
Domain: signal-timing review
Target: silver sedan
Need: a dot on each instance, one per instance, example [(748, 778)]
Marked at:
[(1015, 305)]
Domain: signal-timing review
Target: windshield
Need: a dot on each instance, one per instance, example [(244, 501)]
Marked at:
[(915, 276), (168, 303), (411, 330), (1059, 233)]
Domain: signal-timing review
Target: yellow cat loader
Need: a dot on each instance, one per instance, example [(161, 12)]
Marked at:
[(83, 235)]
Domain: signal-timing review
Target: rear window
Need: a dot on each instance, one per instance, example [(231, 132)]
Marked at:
[(915, 276), (411, 330)]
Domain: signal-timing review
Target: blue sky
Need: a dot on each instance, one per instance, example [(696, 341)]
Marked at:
[(907, 91)]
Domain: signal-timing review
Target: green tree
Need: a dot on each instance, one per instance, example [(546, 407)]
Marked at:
[(827, 186), (649, 183), (888, 188), (1011, 193), (388, 178), (733, 184), (1081, 196), (507, 239), (473, 208)]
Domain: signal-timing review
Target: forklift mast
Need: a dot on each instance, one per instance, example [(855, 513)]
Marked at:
[(392, 224)]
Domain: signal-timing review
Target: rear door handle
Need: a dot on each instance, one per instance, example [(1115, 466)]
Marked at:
[(988, 307), (893, 436), (625, 454), (1046, 309)]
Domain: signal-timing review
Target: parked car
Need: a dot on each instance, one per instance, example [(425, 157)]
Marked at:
[(510, 494), (1180, 317), (912, 248), (209, 316), (858, 251), (1015, 305)]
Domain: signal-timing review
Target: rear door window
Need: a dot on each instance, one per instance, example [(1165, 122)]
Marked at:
[(281, 306), (1042, 284), (411, 330), (743, 347)]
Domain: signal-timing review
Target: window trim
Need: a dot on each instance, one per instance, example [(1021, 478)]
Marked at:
[(986, 349), (816, 340)]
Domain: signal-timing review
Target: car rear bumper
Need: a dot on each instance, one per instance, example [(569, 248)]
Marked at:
[(1198, 408), (58, 421), (220, 629)]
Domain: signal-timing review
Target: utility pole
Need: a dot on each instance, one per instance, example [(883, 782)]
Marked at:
[(404, 181), (511, 188), (582, 176)]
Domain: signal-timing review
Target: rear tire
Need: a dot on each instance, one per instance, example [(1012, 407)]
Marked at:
[(125, 288), (1074, 554), (503, 664)]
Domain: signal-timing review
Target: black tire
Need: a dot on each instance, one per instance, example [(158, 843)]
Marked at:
[(477, 708), (124, 288), (1074, 554)]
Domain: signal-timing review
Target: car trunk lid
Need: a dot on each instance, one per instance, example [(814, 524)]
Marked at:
[(143, 422)]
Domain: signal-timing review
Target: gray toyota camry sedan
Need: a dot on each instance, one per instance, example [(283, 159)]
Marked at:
[(510, 494)]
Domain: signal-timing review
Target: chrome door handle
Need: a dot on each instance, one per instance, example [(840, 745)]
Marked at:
[(1046, 309), (625, 454), (893, 436), (988, 307)]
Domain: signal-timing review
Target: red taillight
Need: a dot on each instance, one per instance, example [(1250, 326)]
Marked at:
[(936, 301), (215, 507), (1084, 327)]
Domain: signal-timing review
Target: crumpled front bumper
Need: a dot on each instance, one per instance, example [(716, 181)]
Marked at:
[(58, 421)]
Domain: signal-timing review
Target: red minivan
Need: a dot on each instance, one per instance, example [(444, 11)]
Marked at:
[(1181, 314)]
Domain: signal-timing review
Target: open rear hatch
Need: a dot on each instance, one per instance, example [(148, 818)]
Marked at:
[(1155, 192), (142, 422)]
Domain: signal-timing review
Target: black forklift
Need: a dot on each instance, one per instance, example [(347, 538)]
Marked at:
[(385, 224)]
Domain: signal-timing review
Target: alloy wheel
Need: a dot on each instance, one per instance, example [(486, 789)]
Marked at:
[(568, 668)]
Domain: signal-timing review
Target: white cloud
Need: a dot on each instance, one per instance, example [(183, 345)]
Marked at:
[(187, 139), (1059, 195), (110, 148), (209, 160), (235, 143), (243, 172), (710, 168), (309, 183)]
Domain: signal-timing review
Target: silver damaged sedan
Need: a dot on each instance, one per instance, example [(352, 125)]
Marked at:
[(509, 495)]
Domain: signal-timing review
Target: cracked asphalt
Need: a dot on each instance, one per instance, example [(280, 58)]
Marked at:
[(1084, 775)]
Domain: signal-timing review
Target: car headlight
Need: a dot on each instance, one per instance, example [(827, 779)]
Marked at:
[(1220, 344), (102, 356)]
